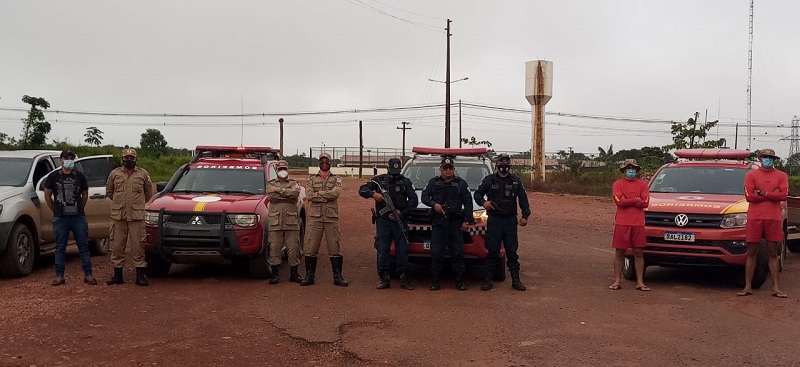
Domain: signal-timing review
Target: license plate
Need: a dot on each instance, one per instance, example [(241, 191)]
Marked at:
[(679, 236), (426, 245)]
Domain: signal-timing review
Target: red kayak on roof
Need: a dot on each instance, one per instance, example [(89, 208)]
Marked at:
[(449, 151)]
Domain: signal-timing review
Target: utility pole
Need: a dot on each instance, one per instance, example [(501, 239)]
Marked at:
[(280, 121), (360, 147), (404, 128), (459, 124), (447, 92), (736, 139), (694, 129), (750, 78)]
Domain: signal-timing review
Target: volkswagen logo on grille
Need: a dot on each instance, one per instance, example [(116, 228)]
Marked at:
[(197, 221), (681, 220)]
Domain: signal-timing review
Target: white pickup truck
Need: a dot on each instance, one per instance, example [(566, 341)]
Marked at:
[(26, 222)]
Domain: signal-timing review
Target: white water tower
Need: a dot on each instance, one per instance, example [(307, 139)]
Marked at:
[(538, 91)]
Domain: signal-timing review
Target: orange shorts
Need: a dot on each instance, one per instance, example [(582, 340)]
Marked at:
[(768, 229), (626, 237)]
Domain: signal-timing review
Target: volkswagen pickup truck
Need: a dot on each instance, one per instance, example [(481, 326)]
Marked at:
[(698, 212), (214, 210)]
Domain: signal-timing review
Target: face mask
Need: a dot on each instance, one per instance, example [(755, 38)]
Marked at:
[(283, 173), (324, 165), (504, 168), (630, 173), (129, 164), (768, 162), (69, 164)]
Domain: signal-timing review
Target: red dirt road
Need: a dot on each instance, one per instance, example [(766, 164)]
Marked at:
[(216, 316)]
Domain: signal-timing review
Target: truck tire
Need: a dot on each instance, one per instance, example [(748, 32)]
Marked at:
[(17, 260), (157, 267), (258, 267), (793, 245), (500, 269), (762, 267), (629, 268), (99, 247)]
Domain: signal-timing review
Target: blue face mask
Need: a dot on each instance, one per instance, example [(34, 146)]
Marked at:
[(69, 164), (630, 173), (767, 162)]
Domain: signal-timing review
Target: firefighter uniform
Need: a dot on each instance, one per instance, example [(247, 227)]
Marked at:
[(283, 223), (322, 192), (401, 192), (454, 197), (503, 190), (129, 188)]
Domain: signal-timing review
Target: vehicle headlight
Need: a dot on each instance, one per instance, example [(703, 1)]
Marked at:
[(733, 220), (480, 216), (244, 220), (151, 218)]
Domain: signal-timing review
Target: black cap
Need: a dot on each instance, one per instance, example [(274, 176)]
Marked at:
[(395, 165), (67, 153), (447, 161), (503, 157)]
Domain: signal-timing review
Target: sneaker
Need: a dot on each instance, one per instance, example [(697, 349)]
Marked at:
[(90, 280), (58, 281)]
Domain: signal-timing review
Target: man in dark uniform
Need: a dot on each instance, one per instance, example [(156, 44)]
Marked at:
[(401, 191), (449, 197), (502, 191)]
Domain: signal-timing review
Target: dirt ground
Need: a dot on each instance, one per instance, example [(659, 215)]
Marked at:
[(207, 315)]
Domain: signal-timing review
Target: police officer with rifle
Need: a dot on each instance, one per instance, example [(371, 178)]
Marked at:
[(395, 198), (502, 191), (450, 199)]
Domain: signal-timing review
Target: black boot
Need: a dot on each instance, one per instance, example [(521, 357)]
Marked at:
[(488, 281), (336, 265), (515, 282), (274, 278), (460, 284), (405, 283), (311, 269), (293, 275), (140, 278), (435, 286), (117, 278), (385, 281)]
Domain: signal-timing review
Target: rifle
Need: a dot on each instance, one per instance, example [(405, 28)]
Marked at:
[(390, 208)]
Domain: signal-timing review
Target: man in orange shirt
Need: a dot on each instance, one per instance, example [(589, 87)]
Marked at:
[(631, 195), (764, 189)]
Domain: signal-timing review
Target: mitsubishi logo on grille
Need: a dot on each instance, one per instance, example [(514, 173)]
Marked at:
[(681, 220), (198, 222)]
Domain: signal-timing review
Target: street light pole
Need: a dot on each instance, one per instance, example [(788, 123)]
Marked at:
[(447, 93)]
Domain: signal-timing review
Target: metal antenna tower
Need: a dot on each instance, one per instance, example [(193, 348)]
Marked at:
[(750, 79), (794, 139)]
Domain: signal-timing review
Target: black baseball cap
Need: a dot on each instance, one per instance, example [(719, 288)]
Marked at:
[(447, 162), (395, 165), (67, 153)]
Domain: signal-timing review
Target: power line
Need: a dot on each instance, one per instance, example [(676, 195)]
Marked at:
[(406, 11), (360, 4)]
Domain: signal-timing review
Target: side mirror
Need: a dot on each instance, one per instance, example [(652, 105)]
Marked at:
[(160, 186)]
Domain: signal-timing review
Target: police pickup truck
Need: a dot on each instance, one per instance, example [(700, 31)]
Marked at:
[(214, 210)]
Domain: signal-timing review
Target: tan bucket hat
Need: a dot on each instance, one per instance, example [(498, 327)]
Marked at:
[(631, 163), (767, 152)]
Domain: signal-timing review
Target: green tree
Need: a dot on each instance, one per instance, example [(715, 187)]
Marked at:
[(94, 136), (606, 155), (35, 126), (793, 164), (153, 143), (473, 142), (693, 134)]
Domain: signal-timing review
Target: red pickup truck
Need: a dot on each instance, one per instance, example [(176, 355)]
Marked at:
[(698, 212), (213, 210)]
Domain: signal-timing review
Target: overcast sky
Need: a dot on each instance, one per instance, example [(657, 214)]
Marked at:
[(643, 59)]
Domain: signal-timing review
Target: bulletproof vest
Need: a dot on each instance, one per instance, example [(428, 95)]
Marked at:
[(396, 188), (447, 193), (503, 191)]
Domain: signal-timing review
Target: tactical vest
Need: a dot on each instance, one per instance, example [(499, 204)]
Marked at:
[(503, 191), (448, 194), (396, 188)]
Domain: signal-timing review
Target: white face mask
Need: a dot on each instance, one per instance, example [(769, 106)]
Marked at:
[(283, 173)]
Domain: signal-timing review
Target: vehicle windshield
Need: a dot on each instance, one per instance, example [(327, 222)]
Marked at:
[(704, 180), (231, 181), (15, 171), (420, 173)]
